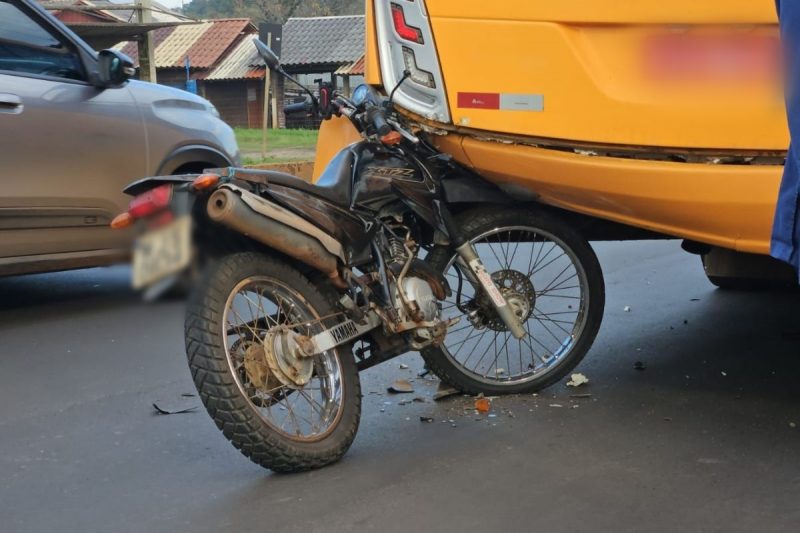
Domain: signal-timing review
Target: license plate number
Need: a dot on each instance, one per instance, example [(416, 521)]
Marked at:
[(728, 58), (162, 252)]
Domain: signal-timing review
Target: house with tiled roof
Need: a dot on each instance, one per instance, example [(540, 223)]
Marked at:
[(220, 58)]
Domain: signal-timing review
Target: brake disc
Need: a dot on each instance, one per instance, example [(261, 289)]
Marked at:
[(519, 292)]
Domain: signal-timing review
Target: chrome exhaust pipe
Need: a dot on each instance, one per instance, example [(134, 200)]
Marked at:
[(258, 219)]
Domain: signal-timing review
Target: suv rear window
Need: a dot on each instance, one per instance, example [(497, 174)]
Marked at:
[(27, 47)]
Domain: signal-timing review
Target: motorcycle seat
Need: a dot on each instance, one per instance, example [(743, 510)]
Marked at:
[(334, 185)]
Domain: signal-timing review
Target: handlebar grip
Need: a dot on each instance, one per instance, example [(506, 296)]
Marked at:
[(378, 119)]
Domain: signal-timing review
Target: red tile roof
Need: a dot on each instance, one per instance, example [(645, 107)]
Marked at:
[(204, 43), (206, 51), (242, 62), (355, 68)]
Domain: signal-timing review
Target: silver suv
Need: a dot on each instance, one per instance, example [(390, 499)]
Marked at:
[(74, 132)]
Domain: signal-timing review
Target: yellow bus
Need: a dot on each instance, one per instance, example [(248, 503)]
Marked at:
[(666, 117)]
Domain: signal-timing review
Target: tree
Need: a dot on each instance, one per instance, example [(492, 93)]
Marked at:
[(272, 10)]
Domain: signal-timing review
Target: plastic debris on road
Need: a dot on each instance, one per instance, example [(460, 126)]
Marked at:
[(483, 405), (163, 411), (444, 391), (401, 386), (576, 380)]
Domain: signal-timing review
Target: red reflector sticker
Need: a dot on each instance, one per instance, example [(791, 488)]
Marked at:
[(479, 100), (502, 101)]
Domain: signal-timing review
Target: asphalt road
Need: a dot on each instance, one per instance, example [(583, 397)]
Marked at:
[(703, 439)]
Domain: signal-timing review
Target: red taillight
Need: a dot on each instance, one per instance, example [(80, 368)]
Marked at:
[(409, 33), (150, 202)]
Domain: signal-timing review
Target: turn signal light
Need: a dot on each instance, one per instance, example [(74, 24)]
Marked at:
[(205, 181), (121, 221), (409, 33), (392, 138)]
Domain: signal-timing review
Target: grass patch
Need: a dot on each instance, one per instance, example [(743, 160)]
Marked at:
[(250, 139), (252, 161)]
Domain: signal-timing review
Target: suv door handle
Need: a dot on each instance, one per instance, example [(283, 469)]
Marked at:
[(10, 103)]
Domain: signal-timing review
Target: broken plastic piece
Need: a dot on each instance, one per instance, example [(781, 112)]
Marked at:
[(401, 386), (483, 405), (444, 391), (163, 411), (576, 380)]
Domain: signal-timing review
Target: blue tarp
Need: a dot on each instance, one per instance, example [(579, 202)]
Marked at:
[(786, 229)]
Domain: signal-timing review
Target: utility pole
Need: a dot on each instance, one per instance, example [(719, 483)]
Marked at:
[(265, 124), (275, 122), (147, 62)]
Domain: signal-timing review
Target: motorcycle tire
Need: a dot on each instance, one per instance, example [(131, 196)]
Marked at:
[(489, 224), (234, 387)]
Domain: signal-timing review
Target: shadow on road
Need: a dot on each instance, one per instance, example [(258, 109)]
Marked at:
[(75, 289)]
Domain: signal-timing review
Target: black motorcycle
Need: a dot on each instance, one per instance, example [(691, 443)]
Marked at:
[(395, 248)]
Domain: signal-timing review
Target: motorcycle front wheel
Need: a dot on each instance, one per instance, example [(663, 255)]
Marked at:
[(552, 277), (283, 413)]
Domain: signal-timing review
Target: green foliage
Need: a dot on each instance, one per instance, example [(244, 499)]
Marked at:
[(250, 139), (272, 10), (282, 145)]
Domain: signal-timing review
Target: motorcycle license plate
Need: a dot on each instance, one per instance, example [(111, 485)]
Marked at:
[(162, 252)]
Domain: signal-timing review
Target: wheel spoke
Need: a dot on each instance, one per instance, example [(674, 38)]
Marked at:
[(462, 343), (304, 414), (554, 278), (469, 356)]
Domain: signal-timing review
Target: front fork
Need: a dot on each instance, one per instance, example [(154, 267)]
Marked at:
[(472, 267), (477, 274)]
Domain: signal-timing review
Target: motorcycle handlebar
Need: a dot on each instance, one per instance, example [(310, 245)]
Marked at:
[(377, 117)]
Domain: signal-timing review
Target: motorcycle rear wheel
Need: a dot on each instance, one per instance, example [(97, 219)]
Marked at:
[(286, 428), (552, 275)]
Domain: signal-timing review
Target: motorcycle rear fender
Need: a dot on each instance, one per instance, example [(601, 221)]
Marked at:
[(145, 184)]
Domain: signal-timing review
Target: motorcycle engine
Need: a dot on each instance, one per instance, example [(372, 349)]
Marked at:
[(419, 292), (418, 289)]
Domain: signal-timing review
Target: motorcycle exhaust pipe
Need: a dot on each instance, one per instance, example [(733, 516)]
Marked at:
[(227, 208)]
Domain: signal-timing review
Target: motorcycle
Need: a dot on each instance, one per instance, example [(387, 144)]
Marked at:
[(395, 248)]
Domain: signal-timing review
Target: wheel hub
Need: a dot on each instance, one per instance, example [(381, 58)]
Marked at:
[(284, 359), (255, 365), (518, 291)]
